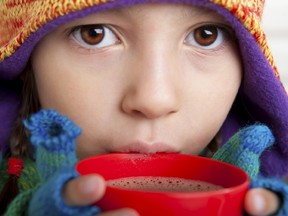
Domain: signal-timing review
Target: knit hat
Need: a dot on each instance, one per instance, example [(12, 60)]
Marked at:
[(261, 97)]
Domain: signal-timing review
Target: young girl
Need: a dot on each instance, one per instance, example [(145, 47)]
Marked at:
[(135, 76)]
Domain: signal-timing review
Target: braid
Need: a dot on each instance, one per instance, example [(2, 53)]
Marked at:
[(19, 141)]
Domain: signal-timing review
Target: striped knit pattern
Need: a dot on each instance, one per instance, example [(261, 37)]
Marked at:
[(20, 18), (49, 162), (54, 138), (245, 148), (250, 14)]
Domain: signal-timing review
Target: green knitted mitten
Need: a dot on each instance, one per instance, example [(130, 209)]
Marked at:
[(245, 148), (54, 138)]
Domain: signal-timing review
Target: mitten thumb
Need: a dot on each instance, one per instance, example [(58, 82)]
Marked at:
[(245, 148), (54, 138)]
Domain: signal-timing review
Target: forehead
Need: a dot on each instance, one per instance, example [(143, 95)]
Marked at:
[(182, 10), (146, 11)]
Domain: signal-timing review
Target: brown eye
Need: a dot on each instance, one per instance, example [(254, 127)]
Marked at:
[(206, 35), (92, 34)]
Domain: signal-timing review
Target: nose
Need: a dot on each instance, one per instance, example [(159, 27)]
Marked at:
[(153, 90)]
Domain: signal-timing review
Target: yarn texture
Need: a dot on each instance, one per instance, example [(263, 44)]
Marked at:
[(244, 150), (259, 109), (245, 147)]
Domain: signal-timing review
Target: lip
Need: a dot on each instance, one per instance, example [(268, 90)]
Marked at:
[(147, 148)]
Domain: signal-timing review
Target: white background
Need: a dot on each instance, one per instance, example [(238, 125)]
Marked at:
[(275, 23)]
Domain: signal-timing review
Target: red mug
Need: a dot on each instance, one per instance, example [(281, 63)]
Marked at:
[(222, 202)]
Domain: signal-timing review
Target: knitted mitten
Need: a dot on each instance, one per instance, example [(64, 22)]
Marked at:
[(277, 186), (19, 205), (244, 150), (53, 137)]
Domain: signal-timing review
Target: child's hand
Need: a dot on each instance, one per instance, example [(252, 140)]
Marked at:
[(87, 190), (244, 150), (261, 202)]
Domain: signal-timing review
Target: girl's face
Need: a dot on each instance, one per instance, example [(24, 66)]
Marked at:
[(149, 78)]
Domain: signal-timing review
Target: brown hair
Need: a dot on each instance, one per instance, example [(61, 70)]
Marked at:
[(19, 139)]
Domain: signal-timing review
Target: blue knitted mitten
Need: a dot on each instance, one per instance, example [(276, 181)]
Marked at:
[(245, 147), (277, 186), (244, 150), (54, 138)]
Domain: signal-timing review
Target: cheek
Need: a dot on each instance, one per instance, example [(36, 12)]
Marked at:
[(66, 80), (211, 91)]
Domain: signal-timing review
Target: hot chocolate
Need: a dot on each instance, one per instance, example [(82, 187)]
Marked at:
[(163, 184)]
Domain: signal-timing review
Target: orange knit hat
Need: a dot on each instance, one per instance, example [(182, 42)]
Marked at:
[(20, 19)]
